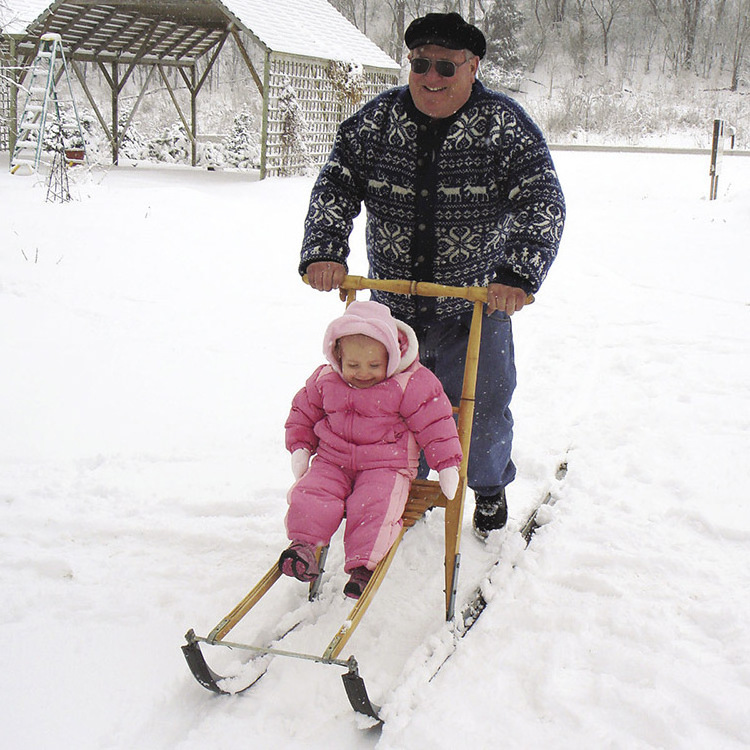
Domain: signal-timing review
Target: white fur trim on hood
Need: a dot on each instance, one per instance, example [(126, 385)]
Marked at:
[(374, 320)]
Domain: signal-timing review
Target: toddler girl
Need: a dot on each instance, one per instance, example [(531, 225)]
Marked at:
[(364, 417)]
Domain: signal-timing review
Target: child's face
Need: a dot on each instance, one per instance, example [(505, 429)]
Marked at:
[(364, 361)]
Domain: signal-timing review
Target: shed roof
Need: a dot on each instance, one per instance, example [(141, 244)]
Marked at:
[(184, 30)]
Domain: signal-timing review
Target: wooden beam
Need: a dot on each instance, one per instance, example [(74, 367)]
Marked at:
[(90, 97), (105, 72), (176, 43), (138, 101), (76, 16), (194, 116), (174, 101), (141, 52), (115, 114), (246, 57), (211, 62), (106, 37)]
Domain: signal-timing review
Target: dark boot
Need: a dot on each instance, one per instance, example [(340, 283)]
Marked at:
[(490, 513), (359, 578)]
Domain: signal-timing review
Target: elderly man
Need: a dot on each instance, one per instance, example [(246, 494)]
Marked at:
[(459, 189)]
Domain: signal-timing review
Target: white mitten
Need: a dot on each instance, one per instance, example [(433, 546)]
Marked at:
[(300, 462), (448, 479)]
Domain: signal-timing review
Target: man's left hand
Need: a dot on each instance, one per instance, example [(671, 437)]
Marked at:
[(507, 299)]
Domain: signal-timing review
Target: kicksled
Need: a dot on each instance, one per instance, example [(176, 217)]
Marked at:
[(424, 495)]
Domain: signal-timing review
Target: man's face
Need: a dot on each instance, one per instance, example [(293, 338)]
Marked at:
[(438, 96)]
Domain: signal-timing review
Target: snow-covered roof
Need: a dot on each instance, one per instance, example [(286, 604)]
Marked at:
[(310, 28), (313, 28)]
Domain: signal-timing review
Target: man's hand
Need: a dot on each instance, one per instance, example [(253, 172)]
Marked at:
[(325, 275), (507, 299)]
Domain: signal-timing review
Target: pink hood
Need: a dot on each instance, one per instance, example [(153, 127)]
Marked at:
[(374, 320)]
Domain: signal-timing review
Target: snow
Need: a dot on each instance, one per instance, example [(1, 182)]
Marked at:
[(154, 331), (312, 28)]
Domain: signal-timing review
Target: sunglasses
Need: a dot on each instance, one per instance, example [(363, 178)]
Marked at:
[(444, 68)]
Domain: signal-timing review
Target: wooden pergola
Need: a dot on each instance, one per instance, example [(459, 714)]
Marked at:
[(302, 42)]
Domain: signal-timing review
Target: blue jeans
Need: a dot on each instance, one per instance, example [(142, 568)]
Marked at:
[(442, 348)]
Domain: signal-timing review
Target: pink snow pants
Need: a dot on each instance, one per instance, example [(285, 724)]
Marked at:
[(373, 500)]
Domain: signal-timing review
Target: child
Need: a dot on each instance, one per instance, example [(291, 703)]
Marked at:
[(365, 416)]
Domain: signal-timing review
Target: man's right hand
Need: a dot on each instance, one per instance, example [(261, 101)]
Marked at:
[(326, 275)]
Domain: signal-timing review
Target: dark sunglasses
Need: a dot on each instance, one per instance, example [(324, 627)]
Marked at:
[(444, 68)]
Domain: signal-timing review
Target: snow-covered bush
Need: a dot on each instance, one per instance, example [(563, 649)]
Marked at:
[(172, 145), (134, 145), (63, 131), (241, 148), (347, 80), (295, 132)]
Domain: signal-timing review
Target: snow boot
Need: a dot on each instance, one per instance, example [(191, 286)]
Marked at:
[(358, 579), (299, 561), (490, 513)]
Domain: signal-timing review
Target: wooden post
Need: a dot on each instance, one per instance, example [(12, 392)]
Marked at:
[(722, 131), (115, 83), (264, 122), (13, 113), (194, 114)]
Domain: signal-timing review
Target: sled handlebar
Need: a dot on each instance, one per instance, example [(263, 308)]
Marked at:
[(419, 288)]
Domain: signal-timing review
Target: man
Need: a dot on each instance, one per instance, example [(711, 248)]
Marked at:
[(460, 189)]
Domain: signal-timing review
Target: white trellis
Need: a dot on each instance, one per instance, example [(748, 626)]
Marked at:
[(5, 74), (326, 92)]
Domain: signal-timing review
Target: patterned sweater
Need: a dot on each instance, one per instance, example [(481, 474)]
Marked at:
[(467, 200)]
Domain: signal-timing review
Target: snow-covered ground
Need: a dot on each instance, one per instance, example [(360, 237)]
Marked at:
[(153, 333)]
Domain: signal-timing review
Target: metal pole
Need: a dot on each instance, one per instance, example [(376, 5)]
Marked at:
[(717, 151)]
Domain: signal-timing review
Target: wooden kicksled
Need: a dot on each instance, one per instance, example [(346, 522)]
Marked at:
[(424, 494)]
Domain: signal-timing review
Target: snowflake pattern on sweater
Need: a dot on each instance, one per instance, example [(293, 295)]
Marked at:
[(464, 201)]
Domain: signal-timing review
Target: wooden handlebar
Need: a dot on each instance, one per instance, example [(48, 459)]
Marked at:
[(419, 288)]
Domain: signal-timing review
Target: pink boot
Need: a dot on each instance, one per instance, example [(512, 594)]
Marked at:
[(299, 561), (358, 579)]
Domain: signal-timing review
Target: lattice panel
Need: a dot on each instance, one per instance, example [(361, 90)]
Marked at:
[(307, 100), (5, 73)]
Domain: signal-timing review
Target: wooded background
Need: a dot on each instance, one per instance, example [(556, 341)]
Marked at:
[(623, 70)]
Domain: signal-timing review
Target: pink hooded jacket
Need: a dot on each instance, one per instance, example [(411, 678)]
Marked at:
[(385, 425)]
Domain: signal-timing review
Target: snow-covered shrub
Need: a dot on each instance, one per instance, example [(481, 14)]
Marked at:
[(62, 132), (172, 145), (242, 146), (134, 144), (347, 80), (295, 132), (212, 154)]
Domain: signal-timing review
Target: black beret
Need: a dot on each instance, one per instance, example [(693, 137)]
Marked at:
[(447, 30)]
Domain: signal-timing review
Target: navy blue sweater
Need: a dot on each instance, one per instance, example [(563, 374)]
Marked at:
[(464, 201)]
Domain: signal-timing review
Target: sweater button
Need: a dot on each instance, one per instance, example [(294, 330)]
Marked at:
[(422, 227)]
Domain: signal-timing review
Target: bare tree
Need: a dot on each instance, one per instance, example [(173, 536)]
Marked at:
[(741, 40), (605, 12), (691, 15)]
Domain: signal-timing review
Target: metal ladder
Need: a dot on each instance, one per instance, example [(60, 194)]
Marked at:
[(48, 68)]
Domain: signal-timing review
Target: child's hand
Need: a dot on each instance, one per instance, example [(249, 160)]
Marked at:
[(300, 462), (448, 479)]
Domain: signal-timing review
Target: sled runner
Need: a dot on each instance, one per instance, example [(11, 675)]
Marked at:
[(424, 494)]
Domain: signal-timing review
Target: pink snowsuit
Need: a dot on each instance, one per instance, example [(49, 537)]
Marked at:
[(366, 441)]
